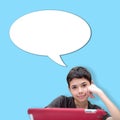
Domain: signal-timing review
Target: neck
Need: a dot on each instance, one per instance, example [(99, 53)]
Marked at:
[(81, 104)]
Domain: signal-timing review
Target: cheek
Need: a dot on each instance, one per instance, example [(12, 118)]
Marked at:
[(86, 89), (73, 92)]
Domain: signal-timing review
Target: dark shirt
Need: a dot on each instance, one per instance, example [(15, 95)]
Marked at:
[(68, 102)]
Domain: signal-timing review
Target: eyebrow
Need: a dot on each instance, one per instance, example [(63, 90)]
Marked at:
[(73, 85), (83, 83), (80, 84)]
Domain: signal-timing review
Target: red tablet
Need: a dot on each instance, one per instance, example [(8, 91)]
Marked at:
[(65, 114)]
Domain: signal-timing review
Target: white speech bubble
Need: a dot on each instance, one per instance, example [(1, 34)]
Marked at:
[(51, 33)]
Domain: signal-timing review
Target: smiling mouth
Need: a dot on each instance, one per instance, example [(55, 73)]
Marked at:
[(81, 97)]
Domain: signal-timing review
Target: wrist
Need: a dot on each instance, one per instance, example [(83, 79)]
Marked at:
[(100, 92)]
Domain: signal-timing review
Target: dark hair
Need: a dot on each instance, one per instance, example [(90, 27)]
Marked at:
[(78, 72)]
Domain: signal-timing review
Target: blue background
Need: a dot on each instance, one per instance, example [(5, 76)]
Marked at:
[(28, 80)]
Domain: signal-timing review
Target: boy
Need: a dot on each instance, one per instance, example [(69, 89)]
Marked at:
[(81, 87)]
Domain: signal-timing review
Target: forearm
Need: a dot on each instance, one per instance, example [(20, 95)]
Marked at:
[(114, 111)]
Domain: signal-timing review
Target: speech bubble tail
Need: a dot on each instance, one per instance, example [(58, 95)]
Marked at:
[(57, 59)]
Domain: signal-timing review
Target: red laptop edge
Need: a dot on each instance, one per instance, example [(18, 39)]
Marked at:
[(65, 114)]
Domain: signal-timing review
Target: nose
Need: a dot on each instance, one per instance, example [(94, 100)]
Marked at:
[(80, 90)]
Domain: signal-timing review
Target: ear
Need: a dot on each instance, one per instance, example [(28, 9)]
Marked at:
[(92, 82)]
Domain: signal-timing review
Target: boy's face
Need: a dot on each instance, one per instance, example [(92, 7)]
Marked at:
[(79, 89)]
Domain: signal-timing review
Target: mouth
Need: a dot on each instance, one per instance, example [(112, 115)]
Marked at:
[(81, 96)]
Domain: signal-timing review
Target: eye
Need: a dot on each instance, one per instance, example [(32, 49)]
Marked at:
[(84, 85), (74, 87)]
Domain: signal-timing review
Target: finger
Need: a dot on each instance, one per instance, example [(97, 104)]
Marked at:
[(90, 94)]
